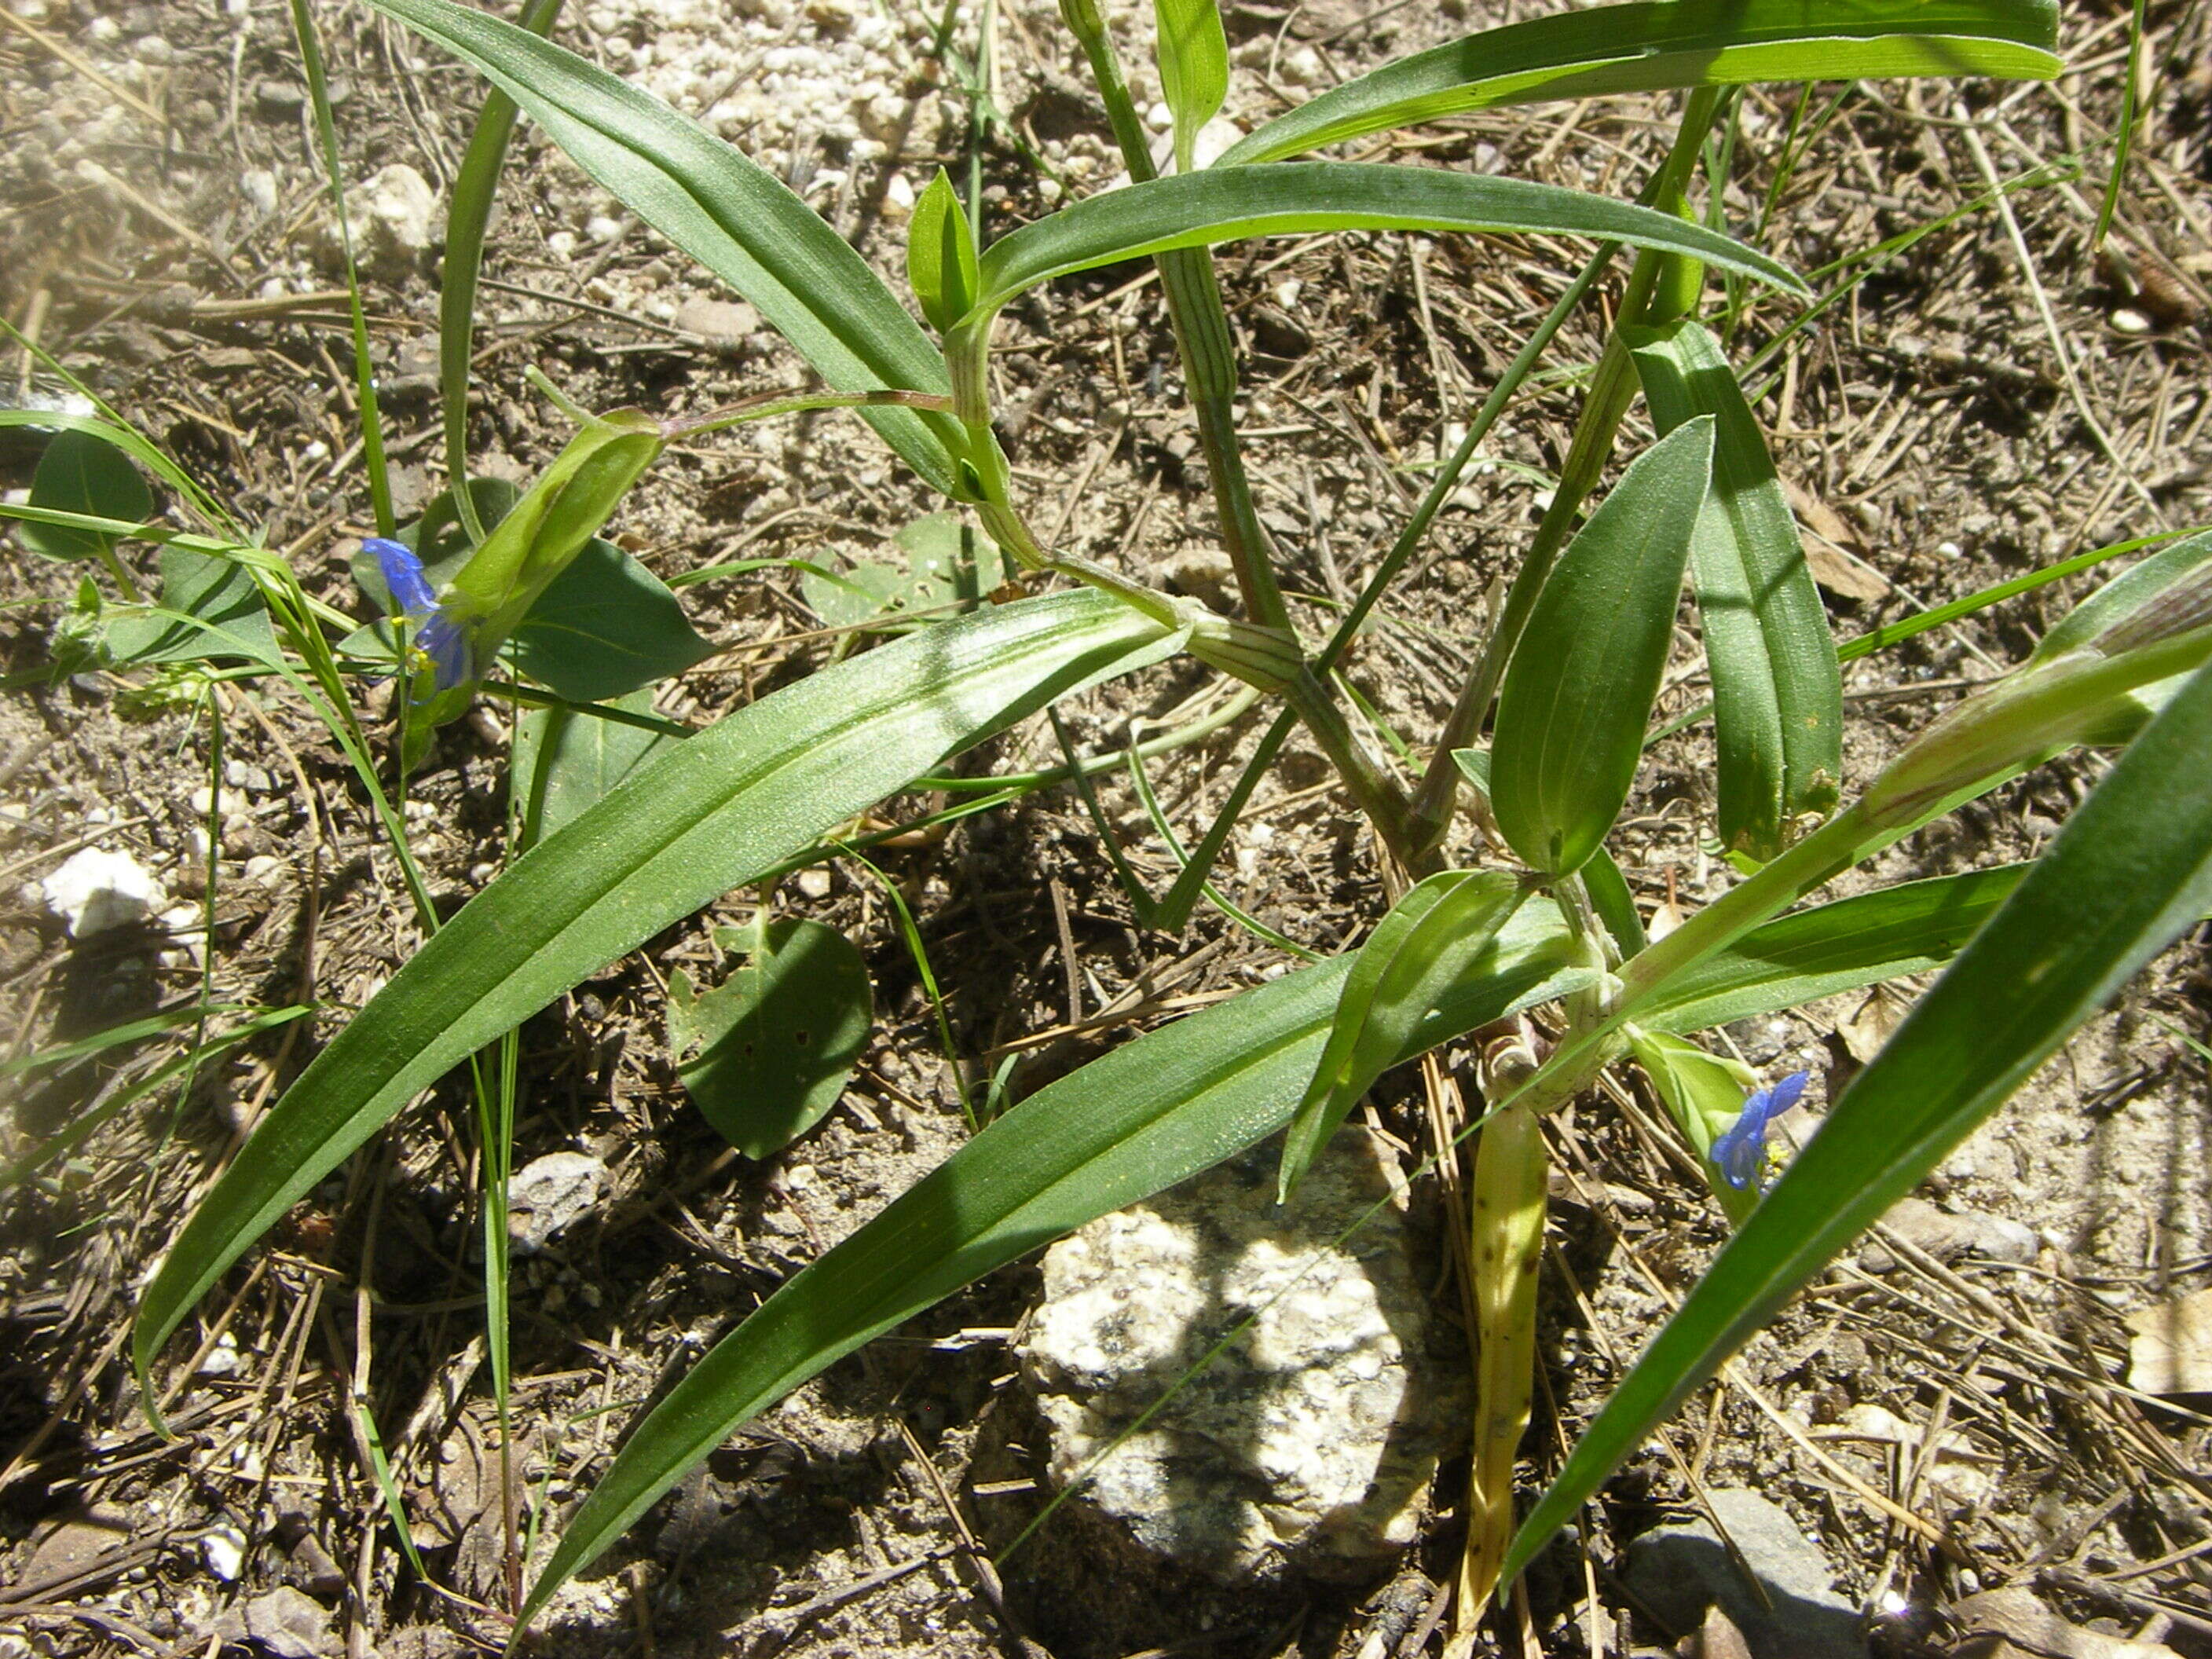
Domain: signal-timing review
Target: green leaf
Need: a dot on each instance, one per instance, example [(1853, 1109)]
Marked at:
[(2124, 596), (1704, 1095), (727, 212), (211, 610), (847, 599), (1614, 904), (1778, 692), (1194, 54), (949, 563), (1816, 952), (1196, 209), (2131, 870), (551, 522), (131, 443), (940, 255), (82, 473), (1149, 1114), (772, 1046), (2136, 597), (1605, 50), (1424, 945), (1579, 690), (565, 759), (604, 627), (716, 812)]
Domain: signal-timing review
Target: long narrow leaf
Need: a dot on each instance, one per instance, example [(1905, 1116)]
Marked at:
[(723, 210), (1137, 1120), (2131, 870), (1199, 209), (1778, 692), (1817, 952), (1645, 47), (1420, 947), (716, 812)]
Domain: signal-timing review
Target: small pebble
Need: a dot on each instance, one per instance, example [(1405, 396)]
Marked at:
[(224, 1549)]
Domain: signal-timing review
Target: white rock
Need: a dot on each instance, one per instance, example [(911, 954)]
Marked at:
[(98, 889), (399, 217), (224, 1549), (550, 1195), (1312, 1439), (1213, 139), (257, 187)]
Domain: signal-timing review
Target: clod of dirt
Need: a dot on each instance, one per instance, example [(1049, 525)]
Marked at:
[(98, 889), (395, 219), (1679, 1570), (1308, 1443)]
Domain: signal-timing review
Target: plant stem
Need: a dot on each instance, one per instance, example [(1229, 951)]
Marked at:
[(1507, 1227), (1201, 327), (1610, 395)]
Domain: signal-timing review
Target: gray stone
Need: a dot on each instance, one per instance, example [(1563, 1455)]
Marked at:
[(551, 1194), (721, 320), (1309, 1443), (1947, 1237), (1679, 1570)]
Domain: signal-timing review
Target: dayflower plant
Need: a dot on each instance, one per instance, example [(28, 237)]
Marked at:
[(1547, 924)]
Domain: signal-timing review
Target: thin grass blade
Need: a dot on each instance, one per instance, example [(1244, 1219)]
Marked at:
[(2131, 870)]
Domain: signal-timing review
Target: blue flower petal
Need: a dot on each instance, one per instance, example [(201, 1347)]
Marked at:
[(1739, 1151), (450, 648), (403, 574)]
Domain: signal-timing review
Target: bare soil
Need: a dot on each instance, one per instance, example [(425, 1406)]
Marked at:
[(1990, 398)]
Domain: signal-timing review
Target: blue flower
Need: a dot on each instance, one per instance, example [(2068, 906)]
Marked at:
[(441, 636), (1740, 1151)]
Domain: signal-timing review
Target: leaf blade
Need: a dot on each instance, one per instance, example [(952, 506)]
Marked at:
[(1579, 690), (1193, 58), (1199, 208), (1649, 48), (723, 210), (729, 803), (84, 473), (1777, 687), (1423, 944)]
